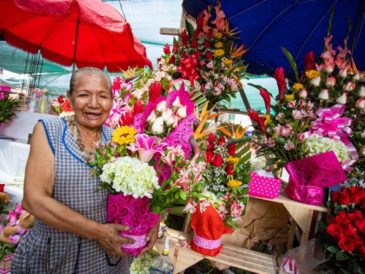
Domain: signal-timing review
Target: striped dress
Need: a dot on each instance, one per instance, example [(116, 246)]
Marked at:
[(47, 250)]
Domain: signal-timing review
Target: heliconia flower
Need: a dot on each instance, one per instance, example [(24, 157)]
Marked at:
[(218, 160), (155, 91), (303, 94), (209, 156), (166, 49), (316, 81), (146, 147), (267, 99), (360, 103), (232, 149), (190, 207), (323, 95), (342, 99), (138, 107), (309, 63), (254, 116), (279, 75), (349, 86), (362, 91), (330, 82)]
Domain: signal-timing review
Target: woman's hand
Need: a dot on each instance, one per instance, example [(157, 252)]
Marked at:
[(152, 237), (110, 239)]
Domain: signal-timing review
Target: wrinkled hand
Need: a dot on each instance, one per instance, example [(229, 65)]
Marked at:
[(151, 237), (110, 239)]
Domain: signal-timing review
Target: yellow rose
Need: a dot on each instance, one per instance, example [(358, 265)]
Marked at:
[(233, 160), (227, 62), (289, 97), (124, 135), (218, 52), (218, 45), (218, 35), (298, 86), (234, 183), (312, 74)]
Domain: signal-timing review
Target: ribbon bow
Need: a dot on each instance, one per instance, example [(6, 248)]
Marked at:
[(331, 124)]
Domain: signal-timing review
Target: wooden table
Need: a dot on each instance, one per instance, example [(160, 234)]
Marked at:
[(301, 213)]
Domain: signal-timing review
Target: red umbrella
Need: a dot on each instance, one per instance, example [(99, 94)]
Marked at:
[(81, 32)]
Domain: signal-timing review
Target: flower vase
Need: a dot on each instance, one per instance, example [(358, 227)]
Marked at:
[(134, 213), (208, 229), (5, 264)]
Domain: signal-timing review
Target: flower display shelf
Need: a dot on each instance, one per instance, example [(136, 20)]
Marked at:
[(301, 213), (184, 257)]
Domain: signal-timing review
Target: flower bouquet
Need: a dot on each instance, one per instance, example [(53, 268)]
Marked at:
[(342, 237), (9, 103), (62, 106)]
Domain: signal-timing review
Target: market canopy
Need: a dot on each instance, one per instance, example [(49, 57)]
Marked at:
[(298, 25)]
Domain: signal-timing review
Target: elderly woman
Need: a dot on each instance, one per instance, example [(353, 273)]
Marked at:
[(70, 234)]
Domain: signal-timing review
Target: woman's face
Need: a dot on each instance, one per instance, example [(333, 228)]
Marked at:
[(91, 100)]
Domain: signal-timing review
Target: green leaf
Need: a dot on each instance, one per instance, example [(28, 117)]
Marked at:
[(342, 256), (183, 195), (189, 28), (292, 62), (333, 249)]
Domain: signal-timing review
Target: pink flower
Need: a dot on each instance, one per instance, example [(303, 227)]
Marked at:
[(291, 104), (330, 82), (284, 131), (12, 218), (222, 211), (190, 207), (18, 209), (237, 209), (297, 114), (289, 145), (360, 103), (147, 147), (349, 86), (172, 154)]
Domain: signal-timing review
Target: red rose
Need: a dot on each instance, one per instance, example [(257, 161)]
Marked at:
[(346, 243), (61, 99), (344, 197), (361, 249), (360, 225), (166, 49), (349, 231), (334, 196), (342, 218), (209, 55), (155, 91), (221, 140), (355, 215), (232, 149), (211, 138), (218, 160), (210, 146), (138, 107), (229, 169), (209, 156), (206, 44), (334, 230)]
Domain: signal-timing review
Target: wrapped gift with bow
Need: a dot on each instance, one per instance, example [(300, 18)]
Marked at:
[(308, 177)]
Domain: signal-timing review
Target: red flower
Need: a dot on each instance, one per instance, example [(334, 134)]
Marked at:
[(209, 55), (207, 44), (334, 230), (66, 107), (309, 63), (344, 197), (355, 215), (194, 43), (166, 49), (175, 47), (126, 119), (116, 83), (138, 107), (342, 218), (349, 231), (254, 116), (184, 38), (334, 196), (172, 59), (361, 249), (346, 243), (155, 91), (209, 156), (360, 225), (267, 99), (221, 140), (61, 99), (229, 169), (211, 138), (231, 149), (279, 76), (218, 160), (200, 21)]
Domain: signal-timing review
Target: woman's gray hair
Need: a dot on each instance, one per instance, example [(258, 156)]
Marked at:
[(87, 70)]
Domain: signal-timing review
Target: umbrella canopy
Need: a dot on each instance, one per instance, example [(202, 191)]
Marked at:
[(298, 25), (81, 32)]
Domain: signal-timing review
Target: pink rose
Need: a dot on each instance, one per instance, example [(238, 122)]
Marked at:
[(330, 82)]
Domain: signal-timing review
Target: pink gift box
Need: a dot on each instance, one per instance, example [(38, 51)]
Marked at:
[(264, 186)]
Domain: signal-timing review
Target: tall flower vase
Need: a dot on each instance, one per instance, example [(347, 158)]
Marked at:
[(135, 213), (208, 229)]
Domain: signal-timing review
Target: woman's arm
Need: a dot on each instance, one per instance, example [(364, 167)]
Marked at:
[(38, 188)]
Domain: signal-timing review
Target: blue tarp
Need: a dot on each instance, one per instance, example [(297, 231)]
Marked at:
[(298, 25)]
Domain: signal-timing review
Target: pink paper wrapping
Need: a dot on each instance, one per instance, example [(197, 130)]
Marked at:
[(263, 186), (309, 176), (135, 213)]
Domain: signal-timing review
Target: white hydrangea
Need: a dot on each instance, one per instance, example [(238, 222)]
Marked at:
[(130, 176), (315, 144)]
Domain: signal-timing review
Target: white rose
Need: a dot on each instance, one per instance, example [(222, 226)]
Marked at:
[(360, 103), (362, 91), (303, 94), (170, 121), (356, 77), (349, 86), (330, 82), (157, 127), (176, 103), (343, 73), (167, 114), (324, 95), (342, 99), (161, 106), (181, 112), (152, 117), (316, 81)]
